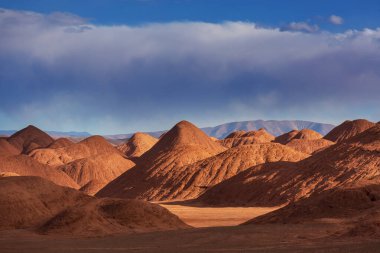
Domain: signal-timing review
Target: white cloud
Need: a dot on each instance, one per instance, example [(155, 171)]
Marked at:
[(301, 27), (336, 20), (70, 69)]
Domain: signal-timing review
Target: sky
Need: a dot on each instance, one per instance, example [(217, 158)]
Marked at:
[(121, 66)]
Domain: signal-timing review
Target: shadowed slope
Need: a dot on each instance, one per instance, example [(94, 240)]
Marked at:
[(286, 137), (190, 181), (101, 168), (137, 145), (357, 208), (335, 203), (30, 138), (348, 129), (61, 143), (34, 203), (309, 146), (184, 144), (355, 161), (25, 166), (94, 145), (6, 148)]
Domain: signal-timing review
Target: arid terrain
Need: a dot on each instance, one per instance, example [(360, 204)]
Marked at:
[(187, 192)]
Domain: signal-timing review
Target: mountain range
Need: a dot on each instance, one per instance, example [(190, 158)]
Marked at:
[(274, 127), (52, 133)]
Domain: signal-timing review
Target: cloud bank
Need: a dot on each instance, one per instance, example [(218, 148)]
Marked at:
[(336, 20), (60, 72)]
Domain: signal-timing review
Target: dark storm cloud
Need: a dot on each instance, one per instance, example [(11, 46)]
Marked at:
[(60, 72)]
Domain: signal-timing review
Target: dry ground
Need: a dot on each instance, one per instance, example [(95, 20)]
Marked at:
[(324, 236), (215, 216), (260, 238)]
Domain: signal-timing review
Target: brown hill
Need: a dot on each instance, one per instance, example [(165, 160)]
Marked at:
[(188, 182), (309, 146), (353, 162), (60, 143), (304, 134), (308, 134), (336, 203), (30, 138), (247, 138), (286, 137), (7, 149), (35, 203), (101, 168), (357, 209), (184, 144), (25, 166), (137, 145), (92, 146), (236, 134), (348, 129), (92, 187)]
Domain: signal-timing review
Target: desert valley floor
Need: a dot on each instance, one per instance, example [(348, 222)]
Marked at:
[(187, 192)]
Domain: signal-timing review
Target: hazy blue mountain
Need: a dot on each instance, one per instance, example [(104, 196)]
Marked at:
[(275, 127), (51, 133)]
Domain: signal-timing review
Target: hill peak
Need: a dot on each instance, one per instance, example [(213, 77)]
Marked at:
[(307, 134), (185, 133), (95, 139), (348, 129), (137, 145), (30, 138)]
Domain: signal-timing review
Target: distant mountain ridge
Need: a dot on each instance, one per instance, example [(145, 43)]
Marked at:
[(51, 133), (274, 127)]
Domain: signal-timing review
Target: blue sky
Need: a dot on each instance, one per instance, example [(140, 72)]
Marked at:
[(122, 66), (357, 14)]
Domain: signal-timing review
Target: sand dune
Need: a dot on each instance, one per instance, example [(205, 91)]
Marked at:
[(35, 203), (137, 145), (352, 162)]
